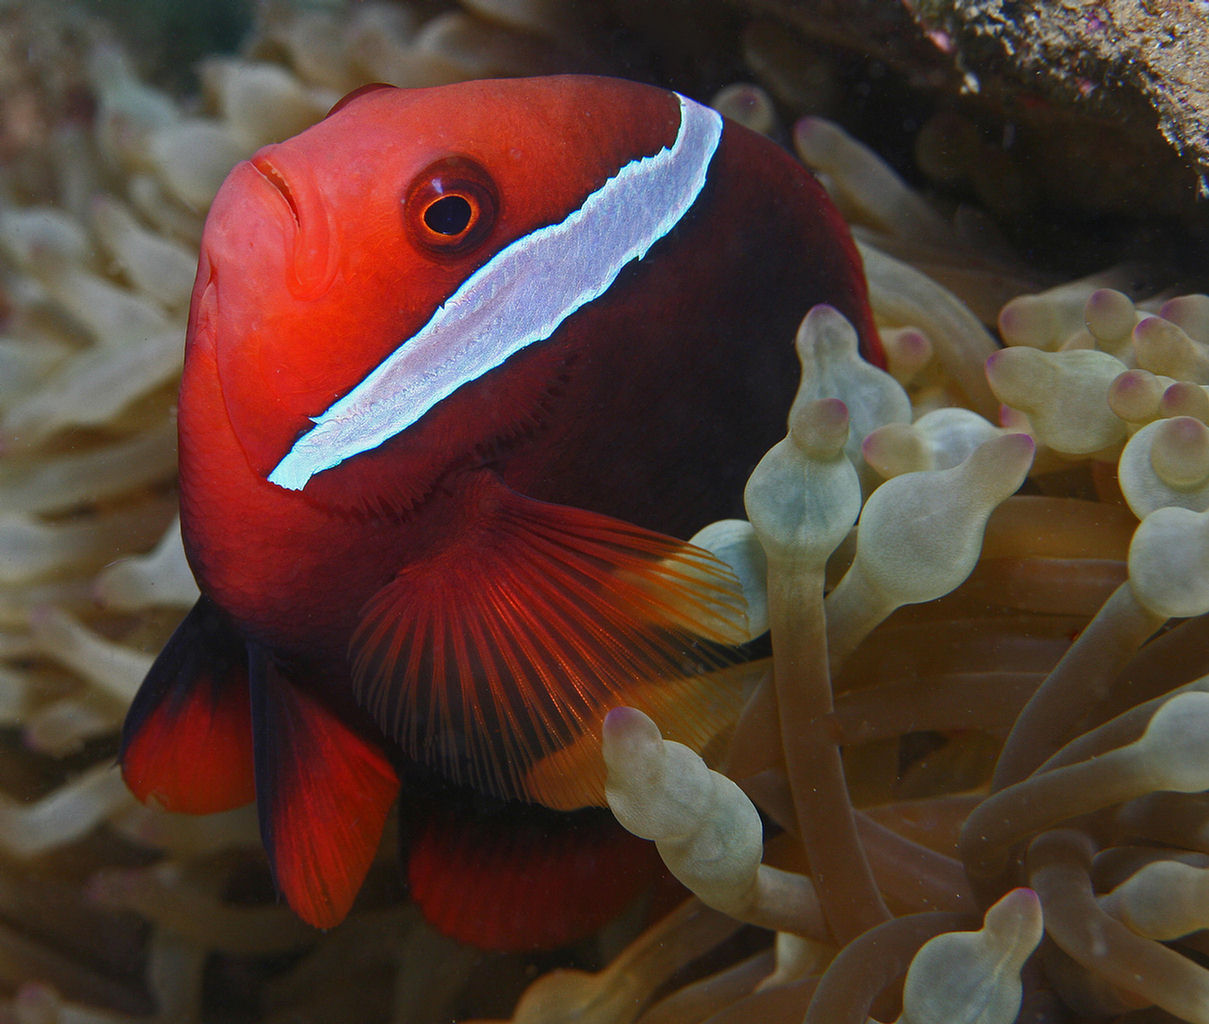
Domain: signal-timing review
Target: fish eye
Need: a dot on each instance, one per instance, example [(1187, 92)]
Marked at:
[(450, 206), (449, 215)]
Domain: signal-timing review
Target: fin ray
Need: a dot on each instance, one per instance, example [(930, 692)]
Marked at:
[(513, 640)]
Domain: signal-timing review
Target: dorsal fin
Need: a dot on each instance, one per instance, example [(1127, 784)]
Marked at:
[(511, 641), (187, 739), (323, 792)]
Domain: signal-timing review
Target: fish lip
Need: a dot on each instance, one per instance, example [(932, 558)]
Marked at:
[(271, 173), (314, 257)]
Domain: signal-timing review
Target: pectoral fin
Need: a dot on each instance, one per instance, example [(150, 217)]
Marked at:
[(512, 639)]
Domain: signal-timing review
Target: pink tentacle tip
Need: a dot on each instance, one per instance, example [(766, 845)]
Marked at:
[(1184, 432), (1130, 383), (805, 127), (1021, 441), (621, 721), (1148, 325), (1012, 419), (913, 342), (1022, 898), (832, 412)]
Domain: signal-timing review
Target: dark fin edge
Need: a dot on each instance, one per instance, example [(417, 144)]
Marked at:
[(187, 739)]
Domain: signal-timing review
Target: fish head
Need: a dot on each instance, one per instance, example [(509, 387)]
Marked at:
[(349, 291)]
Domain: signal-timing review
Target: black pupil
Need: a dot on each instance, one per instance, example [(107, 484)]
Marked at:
[(449, 215)]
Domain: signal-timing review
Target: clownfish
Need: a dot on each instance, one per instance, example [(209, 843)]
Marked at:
[(463, 366)]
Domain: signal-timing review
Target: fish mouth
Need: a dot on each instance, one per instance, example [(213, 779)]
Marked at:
[(277, 181), (313, 262)]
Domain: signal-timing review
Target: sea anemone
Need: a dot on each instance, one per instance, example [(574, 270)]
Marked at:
[(983, 573)]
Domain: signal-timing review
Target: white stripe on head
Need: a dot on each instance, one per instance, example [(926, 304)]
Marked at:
[(519, 297)]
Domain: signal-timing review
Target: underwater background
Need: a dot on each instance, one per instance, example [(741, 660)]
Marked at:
[(999, 666)]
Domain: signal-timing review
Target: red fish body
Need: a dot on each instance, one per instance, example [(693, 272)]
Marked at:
[(462, 365)]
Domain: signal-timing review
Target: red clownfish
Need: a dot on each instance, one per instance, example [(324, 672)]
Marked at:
[(462, 366)]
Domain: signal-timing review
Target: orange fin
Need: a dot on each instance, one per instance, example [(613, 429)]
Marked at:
[(518, 877), (187, 739), (511, 642), (323, 792), (698, 711)]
